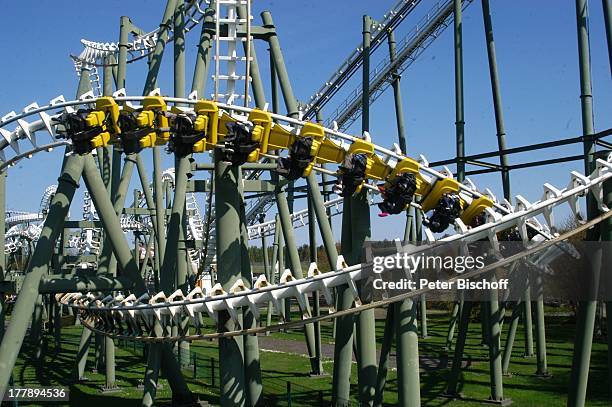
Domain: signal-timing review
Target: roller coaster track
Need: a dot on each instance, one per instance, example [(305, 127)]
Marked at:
[(84, 305), (380, 31), (138, 313), (94, 52), (408, 50)]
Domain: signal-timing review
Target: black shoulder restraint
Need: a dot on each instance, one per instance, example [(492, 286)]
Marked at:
[(75, 129), (130, 132), (183, 136), (353, 173), (293, 167), (445, 213), (238, 144), (398, 194)]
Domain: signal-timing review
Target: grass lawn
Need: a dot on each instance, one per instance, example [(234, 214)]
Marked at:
[(522, 387)]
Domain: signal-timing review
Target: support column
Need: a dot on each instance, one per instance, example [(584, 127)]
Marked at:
[(200, 73), (497, 101), (312, 244), (252, 364), (281, 69), (495, 358), (227, 207), (514, 320), (385, 350), (296, 267), (586, 309), (408, 383), (452, 388), (38, 266), (158, 52), (459, 116)]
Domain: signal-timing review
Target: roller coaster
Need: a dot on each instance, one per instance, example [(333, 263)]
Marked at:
[(188, 261)]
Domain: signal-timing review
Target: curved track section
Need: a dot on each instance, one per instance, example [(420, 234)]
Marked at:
[(135, 314)]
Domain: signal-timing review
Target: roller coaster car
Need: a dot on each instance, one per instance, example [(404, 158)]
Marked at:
[(448, 209), (397, 193), (402, 184), (89, 129), (445, 202), (352, 174), (238, 143), (183, 134), (303, 151), (144, 128)]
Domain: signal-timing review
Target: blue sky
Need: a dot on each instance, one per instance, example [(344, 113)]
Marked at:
[(536, 50)]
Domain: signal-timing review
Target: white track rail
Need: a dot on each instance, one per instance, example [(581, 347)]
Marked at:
[(499, 218)]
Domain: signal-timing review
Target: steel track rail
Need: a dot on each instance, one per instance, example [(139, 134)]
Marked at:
[(357, 309)]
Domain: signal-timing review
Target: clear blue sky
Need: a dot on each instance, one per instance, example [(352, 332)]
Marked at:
[(536, 49)]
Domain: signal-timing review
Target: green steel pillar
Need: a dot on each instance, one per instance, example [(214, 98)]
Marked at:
[(252, 374), (120, 190), (200, 73), (514, 320), (397, 97), (82, 352), (497, 101), (385, 351), (110, 223), (365, 55), (459, 116), (312, 245), (37, 267), (360, 231), (127, 264), (586, 309), (268, 270), (151, 374), (158, 194), (84, 82), (495, 356), (179, 49), (273, 263), (106, 171), (35, 337), (227, 219), (407, 344), (169, 271), (296, 266), (408, 383), (452, 388), (527, 323), (279, 65), (144, 183), (125, 26), (418, 229), (542, 364), (158, 52), (343, 340)]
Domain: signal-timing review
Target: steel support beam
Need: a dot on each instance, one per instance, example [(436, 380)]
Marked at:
[(459, 115), (497, 100), (586, 309), (279, 65), (227, 218), (68, 182), (202, 65), (158, 52)]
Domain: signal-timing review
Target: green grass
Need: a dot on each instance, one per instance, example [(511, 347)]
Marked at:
[(523, 387)]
